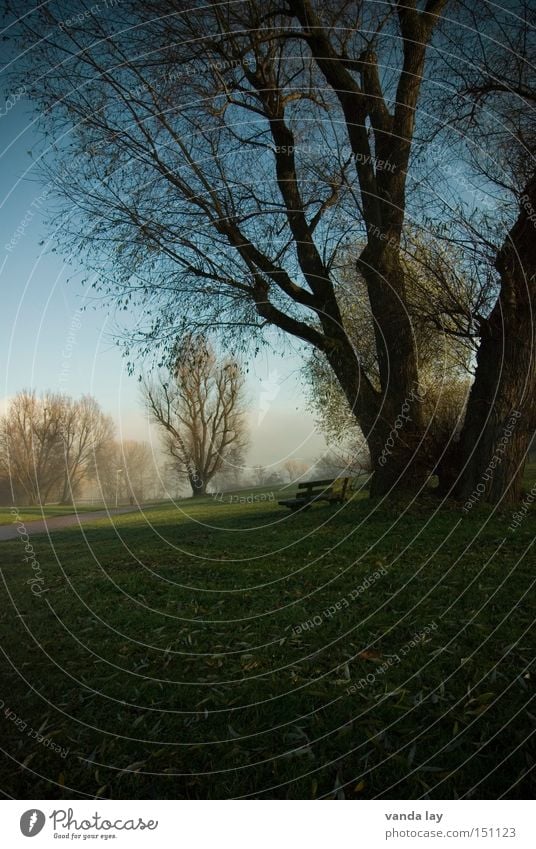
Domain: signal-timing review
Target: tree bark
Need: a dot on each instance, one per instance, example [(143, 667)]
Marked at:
[(198, 485), (500, 417)]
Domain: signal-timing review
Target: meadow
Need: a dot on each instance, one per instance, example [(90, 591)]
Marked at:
[(224, 649)]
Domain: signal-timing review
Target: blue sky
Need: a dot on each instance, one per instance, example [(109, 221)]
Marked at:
[(56, 336)]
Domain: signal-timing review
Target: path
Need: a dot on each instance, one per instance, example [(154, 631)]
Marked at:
[(56, 523)]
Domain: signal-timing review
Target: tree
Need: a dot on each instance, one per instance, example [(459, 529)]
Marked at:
[(295, 469), (439, 305), (85, 431), (495, 109), (339, 463), (294, 94), (31, 446), (126, 470), (49, 444), (320, 103), (501, 410), (232, 470), (198, 407)]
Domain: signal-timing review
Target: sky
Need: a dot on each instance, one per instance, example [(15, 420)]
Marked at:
[(55, 334)]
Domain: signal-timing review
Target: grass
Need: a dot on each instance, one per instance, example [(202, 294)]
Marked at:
[(47, 511), (32, 514), (216, 650)]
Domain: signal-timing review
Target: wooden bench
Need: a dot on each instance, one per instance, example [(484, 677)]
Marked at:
[(334, 491)]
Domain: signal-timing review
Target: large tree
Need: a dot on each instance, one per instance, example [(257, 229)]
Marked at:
[(85, 431), (222, 154), (199, 408)]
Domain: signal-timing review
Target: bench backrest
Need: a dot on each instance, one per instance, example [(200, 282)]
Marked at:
[(316, 484)]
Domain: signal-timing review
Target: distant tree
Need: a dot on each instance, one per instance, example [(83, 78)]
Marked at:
[(273, 479), (128, 470), (340, 462), (139, 469), (260, 474), (220, 172), (30, 450), (440, 301), (532, 449), (198, 407)]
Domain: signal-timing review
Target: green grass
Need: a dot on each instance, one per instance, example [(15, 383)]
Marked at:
[(168, 655)]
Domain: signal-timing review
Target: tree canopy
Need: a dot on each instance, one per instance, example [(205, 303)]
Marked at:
[(221, 157)]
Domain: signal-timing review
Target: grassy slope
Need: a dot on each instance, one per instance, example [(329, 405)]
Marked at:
[(32, 514), (165, 655)]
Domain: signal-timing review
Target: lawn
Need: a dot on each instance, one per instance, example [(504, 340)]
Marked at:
[(216, 650)]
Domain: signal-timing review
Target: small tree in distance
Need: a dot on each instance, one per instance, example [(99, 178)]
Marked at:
[(198, 408), (295, 469)]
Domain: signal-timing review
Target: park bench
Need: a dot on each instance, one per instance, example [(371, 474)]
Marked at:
[(334, 491)]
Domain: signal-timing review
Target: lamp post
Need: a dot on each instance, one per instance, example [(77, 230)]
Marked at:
[(117, 486)]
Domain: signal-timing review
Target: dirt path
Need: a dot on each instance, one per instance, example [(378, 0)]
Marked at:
[(56, 523)]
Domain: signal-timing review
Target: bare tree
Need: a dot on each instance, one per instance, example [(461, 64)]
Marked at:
[(31, 447), (49, 444), (223, 168), (232, 470), (341, 462), (198, 407), (260, 474), (84, 431), (295, 469), (269, 135), (127, 470)]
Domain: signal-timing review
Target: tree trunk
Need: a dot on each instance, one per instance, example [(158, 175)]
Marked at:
[(398, 458), (500, 417), (396, 434), (391, 425)]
